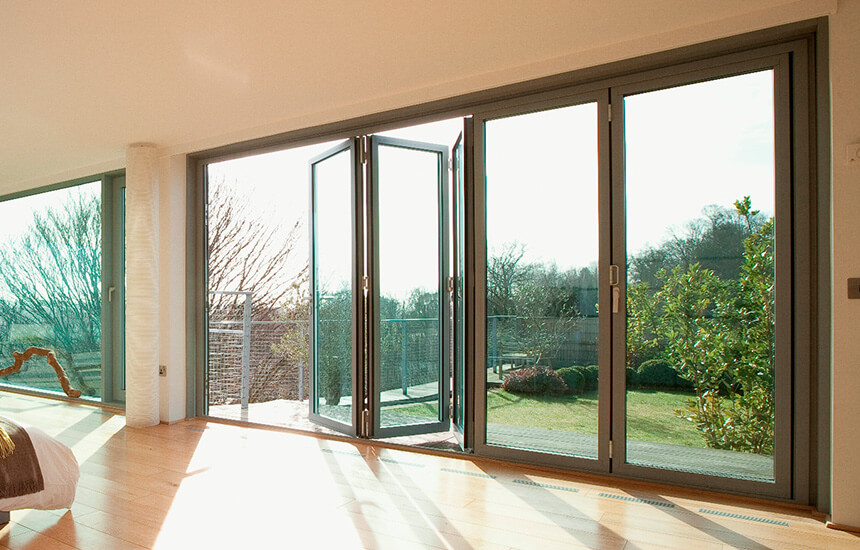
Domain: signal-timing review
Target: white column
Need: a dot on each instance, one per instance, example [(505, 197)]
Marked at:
[(141, 318)]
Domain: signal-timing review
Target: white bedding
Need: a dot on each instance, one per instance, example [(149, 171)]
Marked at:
[(59, 470)]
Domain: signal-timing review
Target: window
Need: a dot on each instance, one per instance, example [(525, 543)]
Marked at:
[(603, 276), (61, 286)]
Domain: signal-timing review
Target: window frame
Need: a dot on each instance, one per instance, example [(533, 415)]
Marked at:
[(804, 42), (112, 319)]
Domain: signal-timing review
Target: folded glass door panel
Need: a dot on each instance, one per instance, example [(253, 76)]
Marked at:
[(410, 384), (337, 302)]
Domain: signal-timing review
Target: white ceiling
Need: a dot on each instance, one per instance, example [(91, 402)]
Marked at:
[(80, 80)]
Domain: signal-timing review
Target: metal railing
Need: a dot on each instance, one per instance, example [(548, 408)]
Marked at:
[(246, 339)]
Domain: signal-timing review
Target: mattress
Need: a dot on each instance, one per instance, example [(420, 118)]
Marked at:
[(59, 470)]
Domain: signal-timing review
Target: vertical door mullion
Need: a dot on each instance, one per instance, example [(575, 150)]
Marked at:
[(372, 333), (359, 305), (467, 285), (618, 257), (783, 261), (605, 316)]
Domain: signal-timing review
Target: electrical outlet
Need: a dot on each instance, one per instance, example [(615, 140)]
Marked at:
[(162, 370), (853, 289), (852, 154)]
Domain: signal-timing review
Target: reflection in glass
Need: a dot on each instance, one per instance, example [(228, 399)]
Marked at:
[(50, 286), (700, 284), (542, 257)]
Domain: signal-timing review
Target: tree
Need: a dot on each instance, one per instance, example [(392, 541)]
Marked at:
[(718, 333), (504, 276), (535, 306), (248, 253), (715, 241), (696, 343), (52, 277)]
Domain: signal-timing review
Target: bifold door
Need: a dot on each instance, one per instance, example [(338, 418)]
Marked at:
[(635, 279), (382, 329), (336, 282)]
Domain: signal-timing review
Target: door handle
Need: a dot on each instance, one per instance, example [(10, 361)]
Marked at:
[(110, 293), (614, 281)]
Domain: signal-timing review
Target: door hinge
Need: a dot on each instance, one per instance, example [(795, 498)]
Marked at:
[(365, 420), (609, 111), (610, 448), (362, 149)]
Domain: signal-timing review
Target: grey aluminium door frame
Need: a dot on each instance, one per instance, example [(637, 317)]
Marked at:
[(806, 44), (358, 302), (796, 210), (478, 355), (114, 289), (463, 378), (373, 332), (781, 487)]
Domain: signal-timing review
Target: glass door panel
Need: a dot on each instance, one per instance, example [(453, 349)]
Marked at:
[(411, 372), (700, 279), (543, 251), (334, 397)]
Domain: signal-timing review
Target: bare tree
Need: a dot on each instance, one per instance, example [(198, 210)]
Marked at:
[(247, 253), (52, 277), (250, 253)]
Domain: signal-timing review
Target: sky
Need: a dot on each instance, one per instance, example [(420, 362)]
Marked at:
[(686, 148), (17, 214)]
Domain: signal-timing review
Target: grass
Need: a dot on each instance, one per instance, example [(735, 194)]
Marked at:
[(650, 414)]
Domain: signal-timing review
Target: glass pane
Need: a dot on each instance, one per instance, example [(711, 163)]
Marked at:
[(50, 286), (332, 181), (409, 299), (699, 176), (542, 257)]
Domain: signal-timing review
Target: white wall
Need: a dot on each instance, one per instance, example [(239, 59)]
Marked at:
[(845, 106), (172, 303)]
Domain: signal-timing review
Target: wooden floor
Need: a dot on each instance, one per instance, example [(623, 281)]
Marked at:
[(200, 484)]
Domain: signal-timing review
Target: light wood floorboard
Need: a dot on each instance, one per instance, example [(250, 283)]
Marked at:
[(199, 484)]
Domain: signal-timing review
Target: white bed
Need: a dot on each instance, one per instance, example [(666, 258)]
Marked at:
[(59, 470)]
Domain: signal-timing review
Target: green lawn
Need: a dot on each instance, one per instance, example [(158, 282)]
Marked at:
[(650, 414)]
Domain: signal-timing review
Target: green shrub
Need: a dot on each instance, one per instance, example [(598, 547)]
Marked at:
[(590, 373), (655, 373), (573, 377), (536, 380), (631, 377)]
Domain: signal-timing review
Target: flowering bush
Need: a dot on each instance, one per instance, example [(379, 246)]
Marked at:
[(535, 380)]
